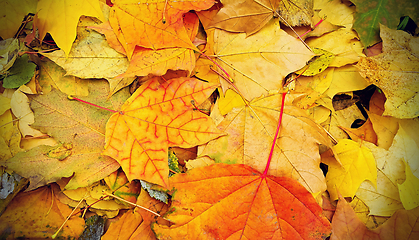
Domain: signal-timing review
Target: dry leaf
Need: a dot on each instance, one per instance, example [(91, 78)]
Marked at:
[(395, 72), (358, 165), (52, 15), (154, 118), (155, 25), (250, 131), (258, 63), (243, 205), (39, 214)]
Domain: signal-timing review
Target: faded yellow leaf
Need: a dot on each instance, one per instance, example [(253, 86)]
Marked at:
[(92, 57), (358, 165), (336, 12), (314, 88), (199, 162), (257, 63), (4, 104), (395, 72), (60, 19), (346, 79), (6, 128), (53, 76), (12, 12), (409, 190), (385, 127), (20, 108), (384, 200), (244, 16), (363, 213), (91, 194), (343, 43), (296, 12), (342, 118)]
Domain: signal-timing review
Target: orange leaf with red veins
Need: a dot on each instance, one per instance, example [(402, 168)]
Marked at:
[(153, 24), (154, 118), (242, 205), (346, 225)]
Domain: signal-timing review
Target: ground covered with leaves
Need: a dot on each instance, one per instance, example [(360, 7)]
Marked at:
[(203, 119)]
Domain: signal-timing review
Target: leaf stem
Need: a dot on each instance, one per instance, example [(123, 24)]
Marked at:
[(133, 204), (78, 99), (222, 69), (317, 24), (68, 217), (276, 136)]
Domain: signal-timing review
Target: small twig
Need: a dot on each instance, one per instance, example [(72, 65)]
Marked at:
[(68, 217), (305, 44), (133, 204)]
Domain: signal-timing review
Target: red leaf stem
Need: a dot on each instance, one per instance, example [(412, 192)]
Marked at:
[(276, 136)]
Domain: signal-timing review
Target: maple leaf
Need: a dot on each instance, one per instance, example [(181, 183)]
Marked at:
[(257, 63), (136, 224), (358, 164), (91, 57), (374, 13), (39, 214), (409, 190), (247, 16), (146, 61), (385, 199), (250, 137), (93, 196), (335, 11), (12, 12), (154, 118), (81, 127), (53, 76), (365, 132), (343, 43), (153, 24), (346, 225), (395, 71), (21, 109), (345, 79), (243, 205), (53, 15)]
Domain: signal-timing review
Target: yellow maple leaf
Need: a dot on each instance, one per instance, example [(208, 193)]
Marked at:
[(409, 190), (358, 165), (60, 19)]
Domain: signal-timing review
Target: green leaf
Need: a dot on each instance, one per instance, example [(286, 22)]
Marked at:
[(388, 12), (20, 73)]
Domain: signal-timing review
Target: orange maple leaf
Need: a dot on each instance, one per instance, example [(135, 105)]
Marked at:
[(153, 24), (154, 118), (242, 204)]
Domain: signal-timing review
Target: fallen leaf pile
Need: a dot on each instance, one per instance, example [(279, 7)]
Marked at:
[(209, 119)]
